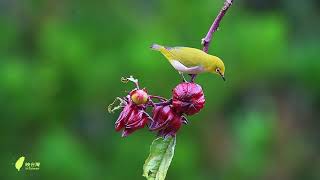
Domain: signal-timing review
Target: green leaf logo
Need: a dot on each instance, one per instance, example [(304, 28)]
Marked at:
[(19, 163)]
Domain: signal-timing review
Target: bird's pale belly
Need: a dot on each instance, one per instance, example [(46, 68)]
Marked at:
[(184, 69)]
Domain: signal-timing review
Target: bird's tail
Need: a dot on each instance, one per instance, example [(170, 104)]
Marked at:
[(164, 50), (156, 47)]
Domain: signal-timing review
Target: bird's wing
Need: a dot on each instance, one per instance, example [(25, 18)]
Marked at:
[(189, 57), (182, 68)]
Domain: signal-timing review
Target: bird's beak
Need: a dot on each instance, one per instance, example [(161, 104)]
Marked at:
[(222, 75), (224, 79)]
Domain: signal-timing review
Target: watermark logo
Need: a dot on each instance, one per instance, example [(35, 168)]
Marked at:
[(34, 165), (19, 163)]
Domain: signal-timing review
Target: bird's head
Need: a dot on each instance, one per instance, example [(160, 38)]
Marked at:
[(217, 66)]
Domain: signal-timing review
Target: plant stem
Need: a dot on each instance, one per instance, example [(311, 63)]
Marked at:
[(162, 103), (158, 97), (168, 102), (215, 25)]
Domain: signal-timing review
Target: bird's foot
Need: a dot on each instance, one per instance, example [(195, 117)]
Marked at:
[(193, 77)]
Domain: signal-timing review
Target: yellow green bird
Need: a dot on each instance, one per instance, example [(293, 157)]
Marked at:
[(191, 60)]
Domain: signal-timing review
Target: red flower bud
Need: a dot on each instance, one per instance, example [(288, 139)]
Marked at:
[(188, 98), (139, 96), (131, 118), (166, 121)]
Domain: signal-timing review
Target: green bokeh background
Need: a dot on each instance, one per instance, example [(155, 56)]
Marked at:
[(61, 64)]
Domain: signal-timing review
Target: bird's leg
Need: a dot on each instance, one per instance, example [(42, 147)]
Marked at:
[(193, 76), (183, 78)]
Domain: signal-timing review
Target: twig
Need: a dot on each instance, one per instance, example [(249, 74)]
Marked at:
[(164, 103), (215, 25), (158, 97)]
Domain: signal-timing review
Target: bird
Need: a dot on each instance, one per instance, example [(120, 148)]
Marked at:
[(191, 60)]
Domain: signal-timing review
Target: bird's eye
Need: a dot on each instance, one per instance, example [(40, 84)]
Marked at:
[(217, 70)]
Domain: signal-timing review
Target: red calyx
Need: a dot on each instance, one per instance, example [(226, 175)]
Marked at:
[(166, 121), (188, 98), (131, 118)]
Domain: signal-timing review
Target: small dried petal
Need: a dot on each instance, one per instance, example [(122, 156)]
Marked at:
[(188, 98), (139, 96), (166, 121), (112, 107)]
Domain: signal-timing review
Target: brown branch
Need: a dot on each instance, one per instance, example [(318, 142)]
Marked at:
[(215, 25)]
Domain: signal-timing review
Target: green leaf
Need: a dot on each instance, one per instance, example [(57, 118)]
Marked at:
[(158, 162)]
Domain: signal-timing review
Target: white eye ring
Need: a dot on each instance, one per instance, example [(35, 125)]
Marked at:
[(217, 70)]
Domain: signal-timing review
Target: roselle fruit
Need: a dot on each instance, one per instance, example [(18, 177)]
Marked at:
[(167, 114), (188, 98), (131, 118), (166, 121)]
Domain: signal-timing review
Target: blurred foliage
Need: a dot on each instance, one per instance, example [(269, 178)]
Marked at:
[(61, 64)]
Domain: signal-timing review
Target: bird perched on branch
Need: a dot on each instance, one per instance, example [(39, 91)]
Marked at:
[(191, 61)]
